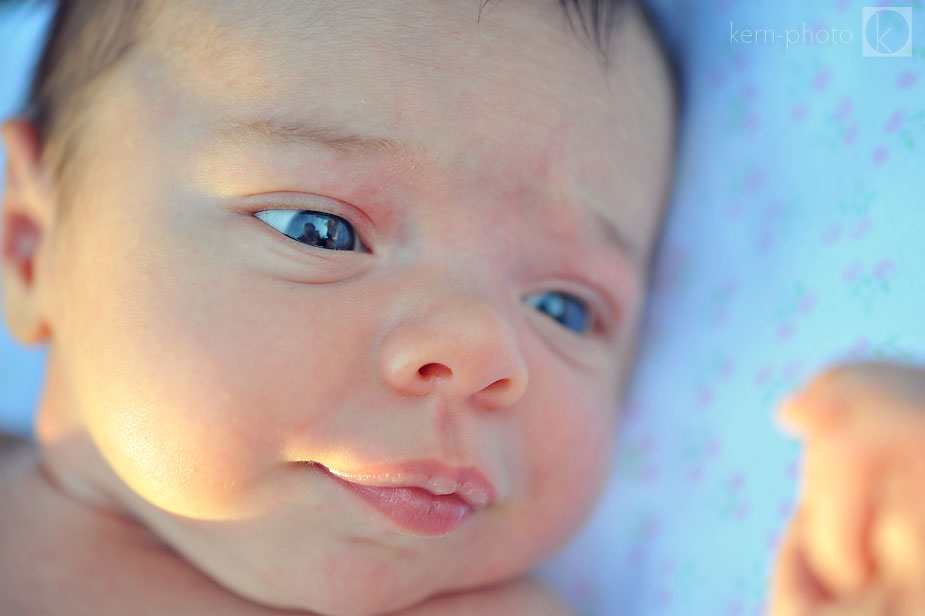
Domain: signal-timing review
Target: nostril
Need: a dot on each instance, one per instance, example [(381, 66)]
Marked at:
[(430, 371), (500, 384)]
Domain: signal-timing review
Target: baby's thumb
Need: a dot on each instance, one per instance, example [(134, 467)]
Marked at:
[(801, 417), (791, 419)]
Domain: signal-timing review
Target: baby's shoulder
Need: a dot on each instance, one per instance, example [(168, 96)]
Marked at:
[(16, 455), (39, 536), (20, 527)]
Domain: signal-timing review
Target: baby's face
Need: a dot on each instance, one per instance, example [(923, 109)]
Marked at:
[(362, 237)]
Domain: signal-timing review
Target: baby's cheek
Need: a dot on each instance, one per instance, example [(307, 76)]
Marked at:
[(167, 416), (584, 453), (168, 450), (571, 466)]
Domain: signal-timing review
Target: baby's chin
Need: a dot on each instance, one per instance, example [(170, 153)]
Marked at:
[(316, 548), (347, 565), (342, 573), (331, 557), (349, 577)]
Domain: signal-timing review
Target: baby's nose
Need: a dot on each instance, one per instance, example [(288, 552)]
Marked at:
[(461, 347)]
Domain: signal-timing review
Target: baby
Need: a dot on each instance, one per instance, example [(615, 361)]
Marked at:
[(340, 298), (340, 301)]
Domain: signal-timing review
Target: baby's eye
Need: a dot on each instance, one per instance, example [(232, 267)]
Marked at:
[(314, 228), (564, 308)]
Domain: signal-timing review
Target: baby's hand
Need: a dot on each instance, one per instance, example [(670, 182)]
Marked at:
[(857, 542)]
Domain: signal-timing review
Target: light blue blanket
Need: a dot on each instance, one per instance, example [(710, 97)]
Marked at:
[(21, 26)]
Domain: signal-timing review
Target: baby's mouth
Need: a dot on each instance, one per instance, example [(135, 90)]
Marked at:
[(424, 497)]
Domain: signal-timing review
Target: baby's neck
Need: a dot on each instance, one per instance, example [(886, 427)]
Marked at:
[(82, 554), (68, 458), (85, 493)]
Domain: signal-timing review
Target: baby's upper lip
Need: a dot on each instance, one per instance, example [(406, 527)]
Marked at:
[(469, 483)]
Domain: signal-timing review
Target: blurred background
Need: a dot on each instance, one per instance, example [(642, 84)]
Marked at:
[(21, 26)]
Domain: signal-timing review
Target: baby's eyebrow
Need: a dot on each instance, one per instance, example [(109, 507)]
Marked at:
[(353, 145), (614, 236), (295, 131)]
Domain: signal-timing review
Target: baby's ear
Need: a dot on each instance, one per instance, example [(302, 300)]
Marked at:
[(26, 213)]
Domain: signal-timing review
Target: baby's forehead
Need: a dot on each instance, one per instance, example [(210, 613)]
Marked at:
[(511, 103), (361, 48), (370, 64)]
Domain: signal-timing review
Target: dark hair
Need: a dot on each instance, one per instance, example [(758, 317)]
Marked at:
[(599, 20), (87, 38)]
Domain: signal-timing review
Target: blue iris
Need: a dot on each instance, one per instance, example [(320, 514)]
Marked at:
[(567, 309), (321, 230), (335, 233)]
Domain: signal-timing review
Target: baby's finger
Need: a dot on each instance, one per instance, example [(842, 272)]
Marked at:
[(848, 390), (906, 603), (822, 407), (898, 535), (839, 501), (795, 591), (791, 418), (871, 602), (906, 381)]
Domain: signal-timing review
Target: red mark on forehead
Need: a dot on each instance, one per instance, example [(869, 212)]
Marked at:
[(553, 152), (535, 171)]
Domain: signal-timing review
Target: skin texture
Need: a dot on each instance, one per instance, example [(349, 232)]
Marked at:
[(197, 355)]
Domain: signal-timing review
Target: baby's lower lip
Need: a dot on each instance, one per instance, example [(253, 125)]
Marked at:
[(414, 509)]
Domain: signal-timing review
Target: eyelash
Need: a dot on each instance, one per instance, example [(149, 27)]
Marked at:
[(278, 215)]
